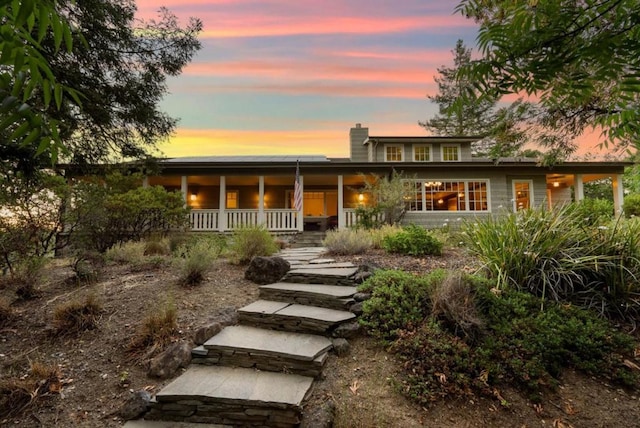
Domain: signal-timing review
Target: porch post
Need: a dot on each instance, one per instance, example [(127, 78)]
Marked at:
[(341, 219), (300, 212), (261, 220), (222, 216), (579, 187), (618, 193), (184, 189)]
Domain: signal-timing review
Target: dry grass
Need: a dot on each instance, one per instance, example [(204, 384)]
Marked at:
[(6, 313), (156, 246), (19, 393), (156, 330), (77, 316)]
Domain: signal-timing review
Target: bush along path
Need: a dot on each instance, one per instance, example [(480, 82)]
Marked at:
[(260, 372)]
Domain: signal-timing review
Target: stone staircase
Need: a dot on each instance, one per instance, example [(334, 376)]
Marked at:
[(308, 239), (260, 372)]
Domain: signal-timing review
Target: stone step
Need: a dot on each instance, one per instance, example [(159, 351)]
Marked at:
[(232, 396), (141, 423), (327, 296), (279, 351), (287, 316), (322, 274)]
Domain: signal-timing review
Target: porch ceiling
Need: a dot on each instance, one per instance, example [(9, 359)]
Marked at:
[(569, 179), (252, 180)]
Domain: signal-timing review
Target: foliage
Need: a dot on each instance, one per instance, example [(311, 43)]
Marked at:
[(198, 260), (27, 275), (413, 240), (378, 234), (523, 346), (250, 241), (480, 116), (554, 255), (28, 85), (87, 266), (17, 394), (126, 253), (578, 58), (30, 217), (155, 245), (399, 300), (116, 210), (347, 241), (77, 316), (369, 217), (593, 212), (6, 313), (387, 197), (156, 330), (631, 205)]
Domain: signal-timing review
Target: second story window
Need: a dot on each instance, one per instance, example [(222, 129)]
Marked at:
[(422, 153), (393, 153), (450, 153)]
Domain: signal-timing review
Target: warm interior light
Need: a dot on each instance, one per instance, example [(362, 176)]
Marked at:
[(360, 197), (194, 196), (441, 201), (556, 184)]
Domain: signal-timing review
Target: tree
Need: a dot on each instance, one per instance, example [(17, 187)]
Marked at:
[(387, 195), (480, 116), (580, 59), (119, 66)]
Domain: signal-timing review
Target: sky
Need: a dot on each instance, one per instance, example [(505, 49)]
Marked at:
[(292, 76)]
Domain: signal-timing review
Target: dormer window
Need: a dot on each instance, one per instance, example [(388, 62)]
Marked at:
[(450, 152), (393, 153), (422, 153)]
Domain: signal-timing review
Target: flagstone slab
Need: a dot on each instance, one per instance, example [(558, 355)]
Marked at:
[(327, 296), (336, 265), (322, 261), (325, 271), (287, 344), (164, 424), (316, 313), (337, 291), (265, 307)]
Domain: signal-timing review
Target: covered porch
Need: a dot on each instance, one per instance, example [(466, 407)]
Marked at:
[(564, 188)]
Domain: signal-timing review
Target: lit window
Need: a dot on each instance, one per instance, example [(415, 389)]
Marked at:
[(447, 195), (523, 194), (422, 153), (232, 199), (450, 153), (393, 153)]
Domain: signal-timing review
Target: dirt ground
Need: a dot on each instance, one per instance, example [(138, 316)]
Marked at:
[(98, 375)]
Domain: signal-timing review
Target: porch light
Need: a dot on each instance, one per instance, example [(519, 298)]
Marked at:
[(194, 196), (360, 197), (556, 184), (440, 201)]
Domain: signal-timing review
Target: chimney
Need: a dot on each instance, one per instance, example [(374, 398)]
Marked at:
[(357, 150)]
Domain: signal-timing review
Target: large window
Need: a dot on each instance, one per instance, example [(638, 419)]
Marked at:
[(232, 200), (422, 153), (448, 195), (523, 194), (450, 152), (393, 153)]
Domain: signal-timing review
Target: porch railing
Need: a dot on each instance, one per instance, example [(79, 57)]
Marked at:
[(204, 220), (274, 220), (281, 219)]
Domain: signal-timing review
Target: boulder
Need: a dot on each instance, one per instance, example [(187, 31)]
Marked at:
[(168, 362), (135, 406), (319, 416), (266, 270), (206, 332), (356, 308), (361, 297), (347, 330), (341, 347)]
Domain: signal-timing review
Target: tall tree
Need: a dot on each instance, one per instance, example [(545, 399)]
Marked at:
[(579, 58), (479, 115), (118, 65)]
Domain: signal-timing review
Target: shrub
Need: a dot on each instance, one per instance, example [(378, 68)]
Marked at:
[(156, 246), (27, 275), (87, 266), (399, 300), (592, 212), (198, 260), (6, 314), (347, 241), (631, 205), (379, 233), (368, 217), (18, 394), (156, 330), (126, 253), (248, 242), (77, 316), (413, 240)]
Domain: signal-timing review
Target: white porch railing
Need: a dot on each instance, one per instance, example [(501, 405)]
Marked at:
[(275, 220), (350, 217)]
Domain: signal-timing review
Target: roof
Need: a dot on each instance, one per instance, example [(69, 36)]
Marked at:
[(248, 159), (422, 139)]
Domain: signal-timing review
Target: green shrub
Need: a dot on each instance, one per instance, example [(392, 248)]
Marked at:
[(88, 265), (347, 241), (249, 242), (631, 205), (413, 240), (592, 212), (156, 246), (77, 316), (27, 276), (379, 233), (126, 253), (399, 300), (197, 262), (368, 217)]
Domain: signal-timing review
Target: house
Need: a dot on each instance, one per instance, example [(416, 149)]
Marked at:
[(446, 182)]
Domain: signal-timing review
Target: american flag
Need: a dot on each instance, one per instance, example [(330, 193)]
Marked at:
[(297, 193)]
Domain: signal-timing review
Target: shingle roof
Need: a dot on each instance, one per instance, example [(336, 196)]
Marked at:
[(249, 159)]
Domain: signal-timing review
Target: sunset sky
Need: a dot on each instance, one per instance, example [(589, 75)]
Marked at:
[(291, 76)]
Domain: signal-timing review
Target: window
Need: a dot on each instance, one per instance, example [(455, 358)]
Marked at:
[(393, 153), (422, 153), (522, 194), (447, 195), (232, 200), (450, 152)]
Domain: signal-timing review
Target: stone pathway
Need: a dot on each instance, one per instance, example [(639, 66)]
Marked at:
[(260, 372)]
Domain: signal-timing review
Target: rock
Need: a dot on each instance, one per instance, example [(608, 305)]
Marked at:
[(175, 356), (319, 417), (356, 308), (340, 346), (361, 276), (347, 330), (266, 270), (225, 316), (361, 297), (135, 406), (206, 332)]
